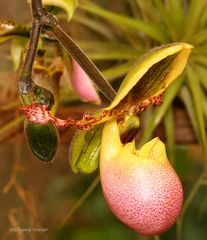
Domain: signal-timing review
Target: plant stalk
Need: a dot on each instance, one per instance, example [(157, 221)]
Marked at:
[(24, 79)]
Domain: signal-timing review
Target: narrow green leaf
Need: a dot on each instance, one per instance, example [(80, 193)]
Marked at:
[(192, 19), (199, 37), (117, 71), (100, 50), (166, 16), (169, 132), (200, 59), (160, 111), (128, 23), (202, 70), (97, 26), (204, 97), (147, 10), (186, 97), (103, 45), (18, 45), (177, 13), (203, 17), (114, 55), (193, 81), (68, 5)]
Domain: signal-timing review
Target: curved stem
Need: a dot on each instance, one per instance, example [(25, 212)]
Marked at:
[(24, 80), (37, 8)]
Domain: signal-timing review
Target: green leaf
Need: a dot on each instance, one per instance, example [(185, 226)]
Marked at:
[(100, 50), (17, 47), (147, 10), (117, 71), (186, 98), (192, 19), (202, 70), (42, 140), (128, 23), (68, 5), (177, 8), (85, 150), (200, 59), (152, 74), (97, 26), (193, 81), (204, 97), (172, 14), (160, 111), (169, 131), (199, 37), (166, 16)]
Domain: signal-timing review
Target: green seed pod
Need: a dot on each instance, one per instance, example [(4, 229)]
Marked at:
[(42, 140), (85, 150)]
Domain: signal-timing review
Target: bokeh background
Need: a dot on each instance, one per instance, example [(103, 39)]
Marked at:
[(34, 194)]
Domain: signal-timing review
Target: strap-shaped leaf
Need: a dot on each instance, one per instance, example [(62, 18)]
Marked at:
[(68, 5), (126, 23), (152, 74), (172, 14), (160, 111), (117, 70), (169, 132), (193, 80), (186, 97), (17, 47)]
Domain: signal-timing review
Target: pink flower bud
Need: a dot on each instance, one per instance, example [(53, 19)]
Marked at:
[(82, 84)]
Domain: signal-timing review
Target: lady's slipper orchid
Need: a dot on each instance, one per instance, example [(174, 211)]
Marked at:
[(82, 84), (140, 186)]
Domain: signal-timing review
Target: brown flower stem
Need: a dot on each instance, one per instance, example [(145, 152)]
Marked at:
[(37, 8), (24, 79)]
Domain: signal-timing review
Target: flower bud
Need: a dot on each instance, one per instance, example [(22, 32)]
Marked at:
[(82, 84)]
